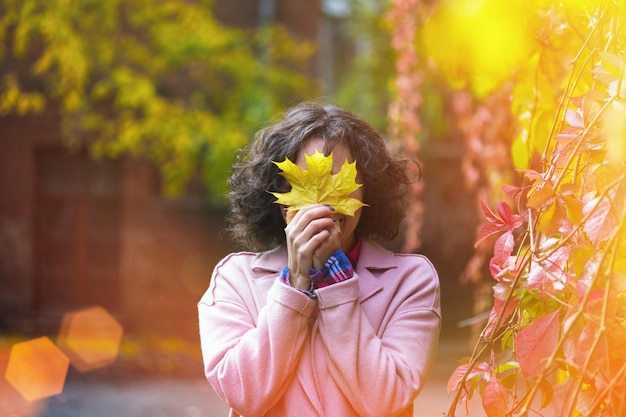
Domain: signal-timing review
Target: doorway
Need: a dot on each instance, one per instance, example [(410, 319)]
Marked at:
[(77, 232)]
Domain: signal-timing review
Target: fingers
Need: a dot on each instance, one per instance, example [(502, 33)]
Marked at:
[(311, 239), (326, 248), (309, 213), (310, 221)]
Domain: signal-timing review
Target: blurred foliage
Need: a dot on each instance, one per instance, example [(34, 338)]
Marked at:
[(364, 84), (161, 79)]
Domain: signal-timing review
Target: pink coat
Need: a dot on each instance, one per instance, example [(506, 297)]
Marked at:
[(367, 351)]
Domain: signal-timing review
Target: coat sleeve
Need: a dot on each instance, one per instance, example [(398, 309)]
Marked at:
[(381, 374), (250, 360)]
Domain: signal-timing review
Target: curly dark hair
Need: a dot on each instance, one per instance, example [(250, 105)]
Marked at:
[(255, 221)]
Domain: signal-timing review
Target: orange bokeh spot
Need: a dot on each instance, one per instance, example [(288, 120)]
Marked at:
[(90, 337), (37, 368)]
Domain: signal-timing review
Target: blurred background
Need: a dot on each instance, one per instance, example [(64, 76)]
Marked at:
[(119, 122)]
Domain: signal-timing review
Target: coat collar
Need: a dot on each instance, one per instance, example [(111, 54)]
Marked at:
[(372, 257), (271, 261), (375, 257)]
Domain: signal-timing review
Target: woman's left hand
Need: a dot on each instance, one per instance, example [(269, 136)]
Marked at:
[(311, 239)]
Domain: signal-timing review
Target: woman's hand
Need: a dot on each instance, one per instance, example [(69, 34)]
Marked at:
[(311, 239)]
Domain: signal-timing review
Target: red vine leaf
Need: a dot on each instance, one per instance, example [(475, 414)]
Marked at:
[(551, 276), (514, 193), (497, 310), (601, 222), (456, 377), (513, 221), (486, 230), (500, 221), (592, 105), (574, 118), (489, 214), (502, 249), (535, 343), (477, 376), (607, 71), (494, 398), (606, 214)]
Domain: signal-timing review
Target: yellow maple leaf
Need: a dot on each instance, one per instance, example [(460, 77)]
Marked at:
[(316, 184)]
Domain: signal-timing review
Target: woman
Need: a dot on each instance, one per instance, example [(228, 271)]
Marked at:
[(320, 320)]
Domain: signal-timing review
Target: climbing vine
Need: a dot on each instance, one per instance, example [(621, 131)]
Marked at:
[(554, 340), (403, 113), (538, 93)]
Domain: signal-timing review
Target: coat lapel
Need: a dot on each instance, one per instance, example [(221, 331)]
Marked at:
[(373, 261)]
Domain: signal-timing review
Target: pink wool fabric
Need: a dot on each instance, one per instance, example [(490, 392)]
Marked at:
[(363, 348)]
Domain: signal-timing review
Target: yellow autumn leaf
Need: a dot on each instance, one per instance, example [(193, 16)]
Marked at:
[(317, 184)]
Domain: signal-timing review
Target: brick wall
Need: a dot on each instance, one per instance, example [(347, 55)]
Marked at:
[(56, 253)]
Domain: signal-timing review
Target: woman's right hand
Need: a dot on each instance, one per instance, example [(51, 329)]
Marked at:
[(311, 239)]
